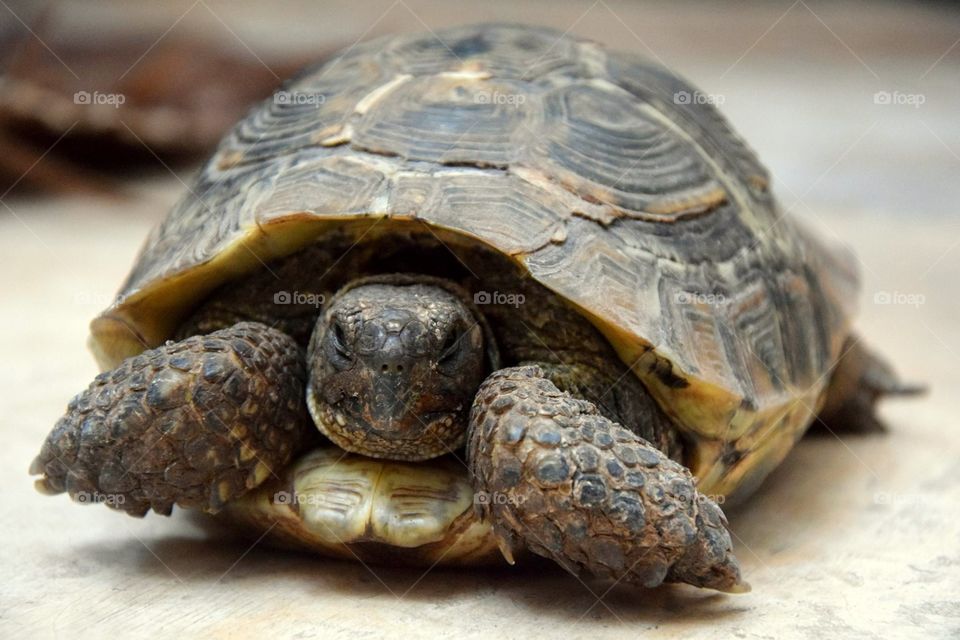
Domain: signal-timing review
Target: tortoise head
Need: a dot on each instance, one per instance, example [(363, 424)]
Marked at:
[(394, 364)]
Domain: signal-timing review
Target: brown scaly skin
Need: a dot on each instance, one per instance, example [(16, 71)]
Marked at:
[(618, 396), (194, 423), (393, 367), (570, 484)]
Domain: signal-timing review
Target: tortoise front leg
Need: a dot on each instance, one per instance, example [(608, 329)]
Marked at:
[(196, 423), (576, 487)]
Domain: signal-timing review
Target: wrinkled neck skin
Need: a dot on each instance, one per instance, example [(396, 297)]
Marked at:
[(394, 364)]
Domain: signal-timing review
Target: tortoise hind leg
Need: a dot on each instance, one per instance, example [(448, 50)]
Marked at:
[(195, 423), (564, 481), (859, 381)]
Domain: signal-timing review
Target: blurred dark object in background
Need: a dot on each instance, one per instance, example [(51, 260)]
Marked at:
[(96, 108)]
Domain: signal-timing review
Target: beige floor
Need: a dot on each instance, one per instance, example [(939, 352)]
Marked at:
[(851, 537)]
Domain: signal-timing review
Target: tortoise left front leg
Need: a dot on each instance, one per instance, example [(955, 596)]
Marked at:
[(574, 486), (195, 423)]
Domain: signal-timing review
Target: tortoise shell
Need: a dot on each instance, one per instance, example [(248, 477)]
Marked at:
[(596, 171)]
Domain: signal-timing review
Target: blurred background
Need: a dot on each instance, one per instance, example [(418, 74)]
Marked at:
[(106, 111)]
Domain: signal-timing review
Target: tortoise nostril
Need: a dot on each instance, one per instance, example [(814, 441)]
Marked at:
[(391, 368)]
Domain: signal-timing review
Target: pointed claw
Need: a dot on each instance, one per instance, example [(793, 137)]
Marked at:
[(590, 495), (740, 587), (505, 549), (190, 423)]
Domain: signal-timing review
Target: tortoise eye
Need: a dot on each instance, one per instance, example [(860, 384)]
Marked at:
[(339, 335), (451, 345), (339, 341)]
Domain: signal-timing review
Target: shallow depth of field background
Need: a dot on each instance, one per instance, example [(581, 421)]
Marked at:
[(854, 109)]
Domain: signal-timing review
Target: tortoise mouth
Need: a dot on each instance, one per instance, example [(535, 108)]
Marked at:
[(436, 433)]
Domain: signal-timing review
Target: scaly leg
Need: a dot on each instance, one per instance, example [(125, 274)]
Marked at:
[(195, 423), (571, 485)]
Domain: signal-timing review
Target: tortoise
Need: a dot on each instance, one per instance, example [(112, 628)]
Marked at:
[(466, 295)]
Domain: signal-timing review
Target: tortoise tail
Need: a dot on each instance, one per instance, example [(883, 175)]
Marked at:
[(861, 378)]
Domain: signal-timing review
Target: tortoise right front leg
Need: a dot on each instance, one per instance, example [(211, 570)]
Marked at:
[(195, 423), (571, 485)]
